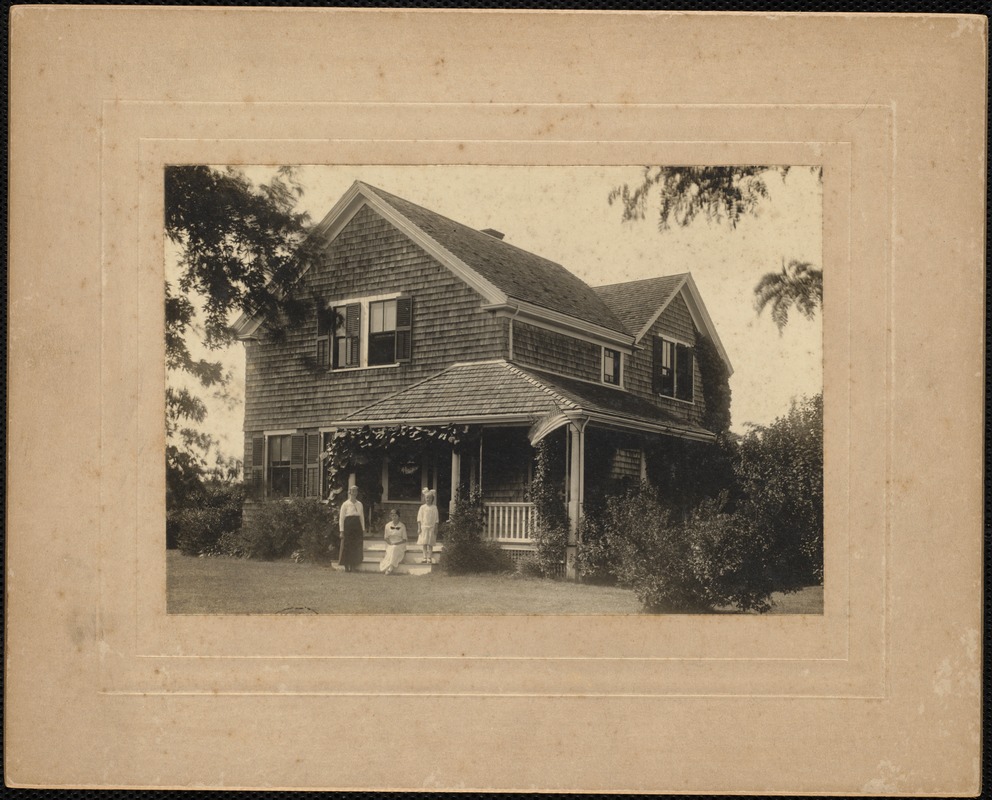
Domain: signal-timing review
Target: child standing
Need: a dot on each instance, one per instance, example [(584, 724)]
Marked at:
[(427, 526)]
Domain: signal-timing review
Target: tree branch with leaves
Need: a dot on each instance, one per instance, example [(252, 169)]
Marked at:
[(240, 246), (723, 195)]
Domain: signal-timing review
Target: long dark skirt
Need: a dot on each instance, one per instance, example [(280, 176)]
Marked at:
[(352, 546)]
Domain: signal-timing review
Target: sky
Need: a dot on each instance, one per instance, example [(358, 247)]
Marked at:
[(561, 213)]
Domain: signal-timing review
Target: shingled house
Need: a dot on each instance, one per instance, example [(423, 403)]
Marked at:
[(438, 326)]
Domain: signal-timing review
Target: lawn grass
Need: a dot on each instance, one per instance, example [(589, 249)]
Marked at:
[(234, 586)]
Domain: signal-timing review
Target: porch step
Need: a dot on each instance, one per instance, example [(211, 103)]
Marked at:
[(410, 565)]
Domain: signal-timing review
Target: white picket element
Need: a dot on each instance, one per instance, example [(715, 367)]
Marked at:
[(509, 522)]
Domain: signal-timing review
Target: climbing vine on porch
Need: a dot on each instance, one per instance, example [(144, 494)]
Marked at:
[(347, 445), (547, 492)]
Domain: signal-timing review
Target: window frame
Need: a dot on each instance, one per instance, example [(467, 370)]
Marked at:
[(617, 369), (668, 367), (351, 341)]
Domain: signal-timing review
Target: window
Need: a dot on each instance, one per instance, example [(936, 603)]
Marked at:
[(672, 369), (279, 465), (611, 366), (382, 332), (405, 478), (365, 333), (347, 344), (283, 464), (326, 323)]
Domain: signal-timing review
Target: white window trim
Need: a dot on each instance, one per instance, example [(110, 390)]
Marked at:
[(602, 368), (363, 355), (423, 481), (692, 347), (266, 473)]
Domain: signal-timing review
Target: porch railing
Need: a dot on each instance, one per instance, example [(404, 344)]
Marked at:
[(509, 522)]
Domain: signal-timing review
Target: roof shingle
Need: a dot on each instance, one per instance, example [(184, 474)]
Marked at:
[(636, 302), (518, 273), (500, 389)]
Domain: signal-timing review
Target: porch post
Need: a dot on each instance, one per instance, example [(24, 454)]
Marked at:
[(456, 476), (576, 492)]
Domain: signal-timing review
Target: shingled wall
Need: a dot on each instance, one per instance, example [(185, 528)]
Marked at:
[(556, 352), (369, 257), (674, 323)]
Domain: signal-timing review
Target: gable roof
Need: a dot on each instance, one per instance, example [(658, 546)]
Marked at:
[(636, 303), (640, 303), (517, 273), (512, 280), (501, 391)]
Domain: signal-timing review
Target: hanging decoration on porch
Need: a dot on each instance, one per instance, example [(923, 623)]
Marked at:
[(348, 446)]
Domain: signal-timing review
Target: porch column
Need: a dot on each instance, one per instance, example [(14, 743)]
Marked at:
[(576, 491), (456, 477)]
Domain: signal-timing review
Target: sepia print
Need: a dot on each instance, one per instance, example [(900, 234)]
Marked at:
[(392, 391)]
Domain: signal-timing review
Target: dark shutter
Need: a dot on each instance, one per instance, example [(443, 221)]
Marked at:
[(296, 465), (257, 464), (353, 330), (683, 372), (404, 328), (313, 465)]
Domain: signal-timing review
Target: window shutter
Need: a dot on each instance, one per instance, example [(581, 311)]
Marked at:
[(656, 365), (353, 330), (404, 328), (296, 465), (257, 465), (313, 465), (683, 369)]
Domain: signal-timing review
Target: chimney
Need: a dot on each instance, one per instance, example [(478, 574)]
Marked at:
[(494, 233)]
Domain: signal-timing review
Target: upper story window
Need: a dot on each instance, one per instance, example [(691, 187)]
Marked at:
[(611, 366), (382, 332), (365, 333), (672, 369)]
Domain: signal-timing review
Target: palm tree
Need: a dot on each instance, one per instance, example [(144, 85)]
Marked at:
[(797, 284)]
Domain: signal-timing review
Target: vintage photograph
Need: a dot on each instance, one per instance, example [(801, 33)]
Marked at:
[(494, 390)]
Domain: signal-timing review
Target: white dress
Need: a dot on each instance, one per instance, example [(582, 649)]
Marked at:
[(427, 518), (395, 536)]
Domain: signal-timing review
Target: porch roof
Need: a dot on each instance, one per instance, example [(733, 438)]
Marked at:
[(499, 391)]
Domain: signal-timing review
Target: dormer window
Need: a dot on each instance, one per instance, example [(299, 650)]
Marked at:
[(672, 369), (611, 366)]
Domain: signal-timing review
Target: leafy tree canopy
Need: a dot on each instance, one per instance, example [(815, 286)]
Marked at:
[(239, 246), (723, 194)]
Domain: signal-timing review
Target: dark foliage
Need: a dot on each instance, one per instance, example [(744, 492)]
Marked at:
[(305, 529), (547, 492), (213, 510), (465, 551), (240, 247), (724, 194), (780, 470)]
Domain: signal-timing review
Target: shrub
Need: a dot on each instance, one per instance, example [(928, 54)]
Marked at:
[(465, 552), (689, 565), (780, 470), (214, 511), (594, 557), (529, 567), (279, 529), (199, 529)]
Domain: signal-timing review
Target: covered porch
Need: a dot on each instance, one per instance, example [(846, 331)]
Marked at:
[(481, 424)]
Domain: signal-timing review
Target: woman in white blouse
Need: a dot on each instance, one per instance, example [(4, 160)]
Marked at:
[(351, 527), (395, 536)]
